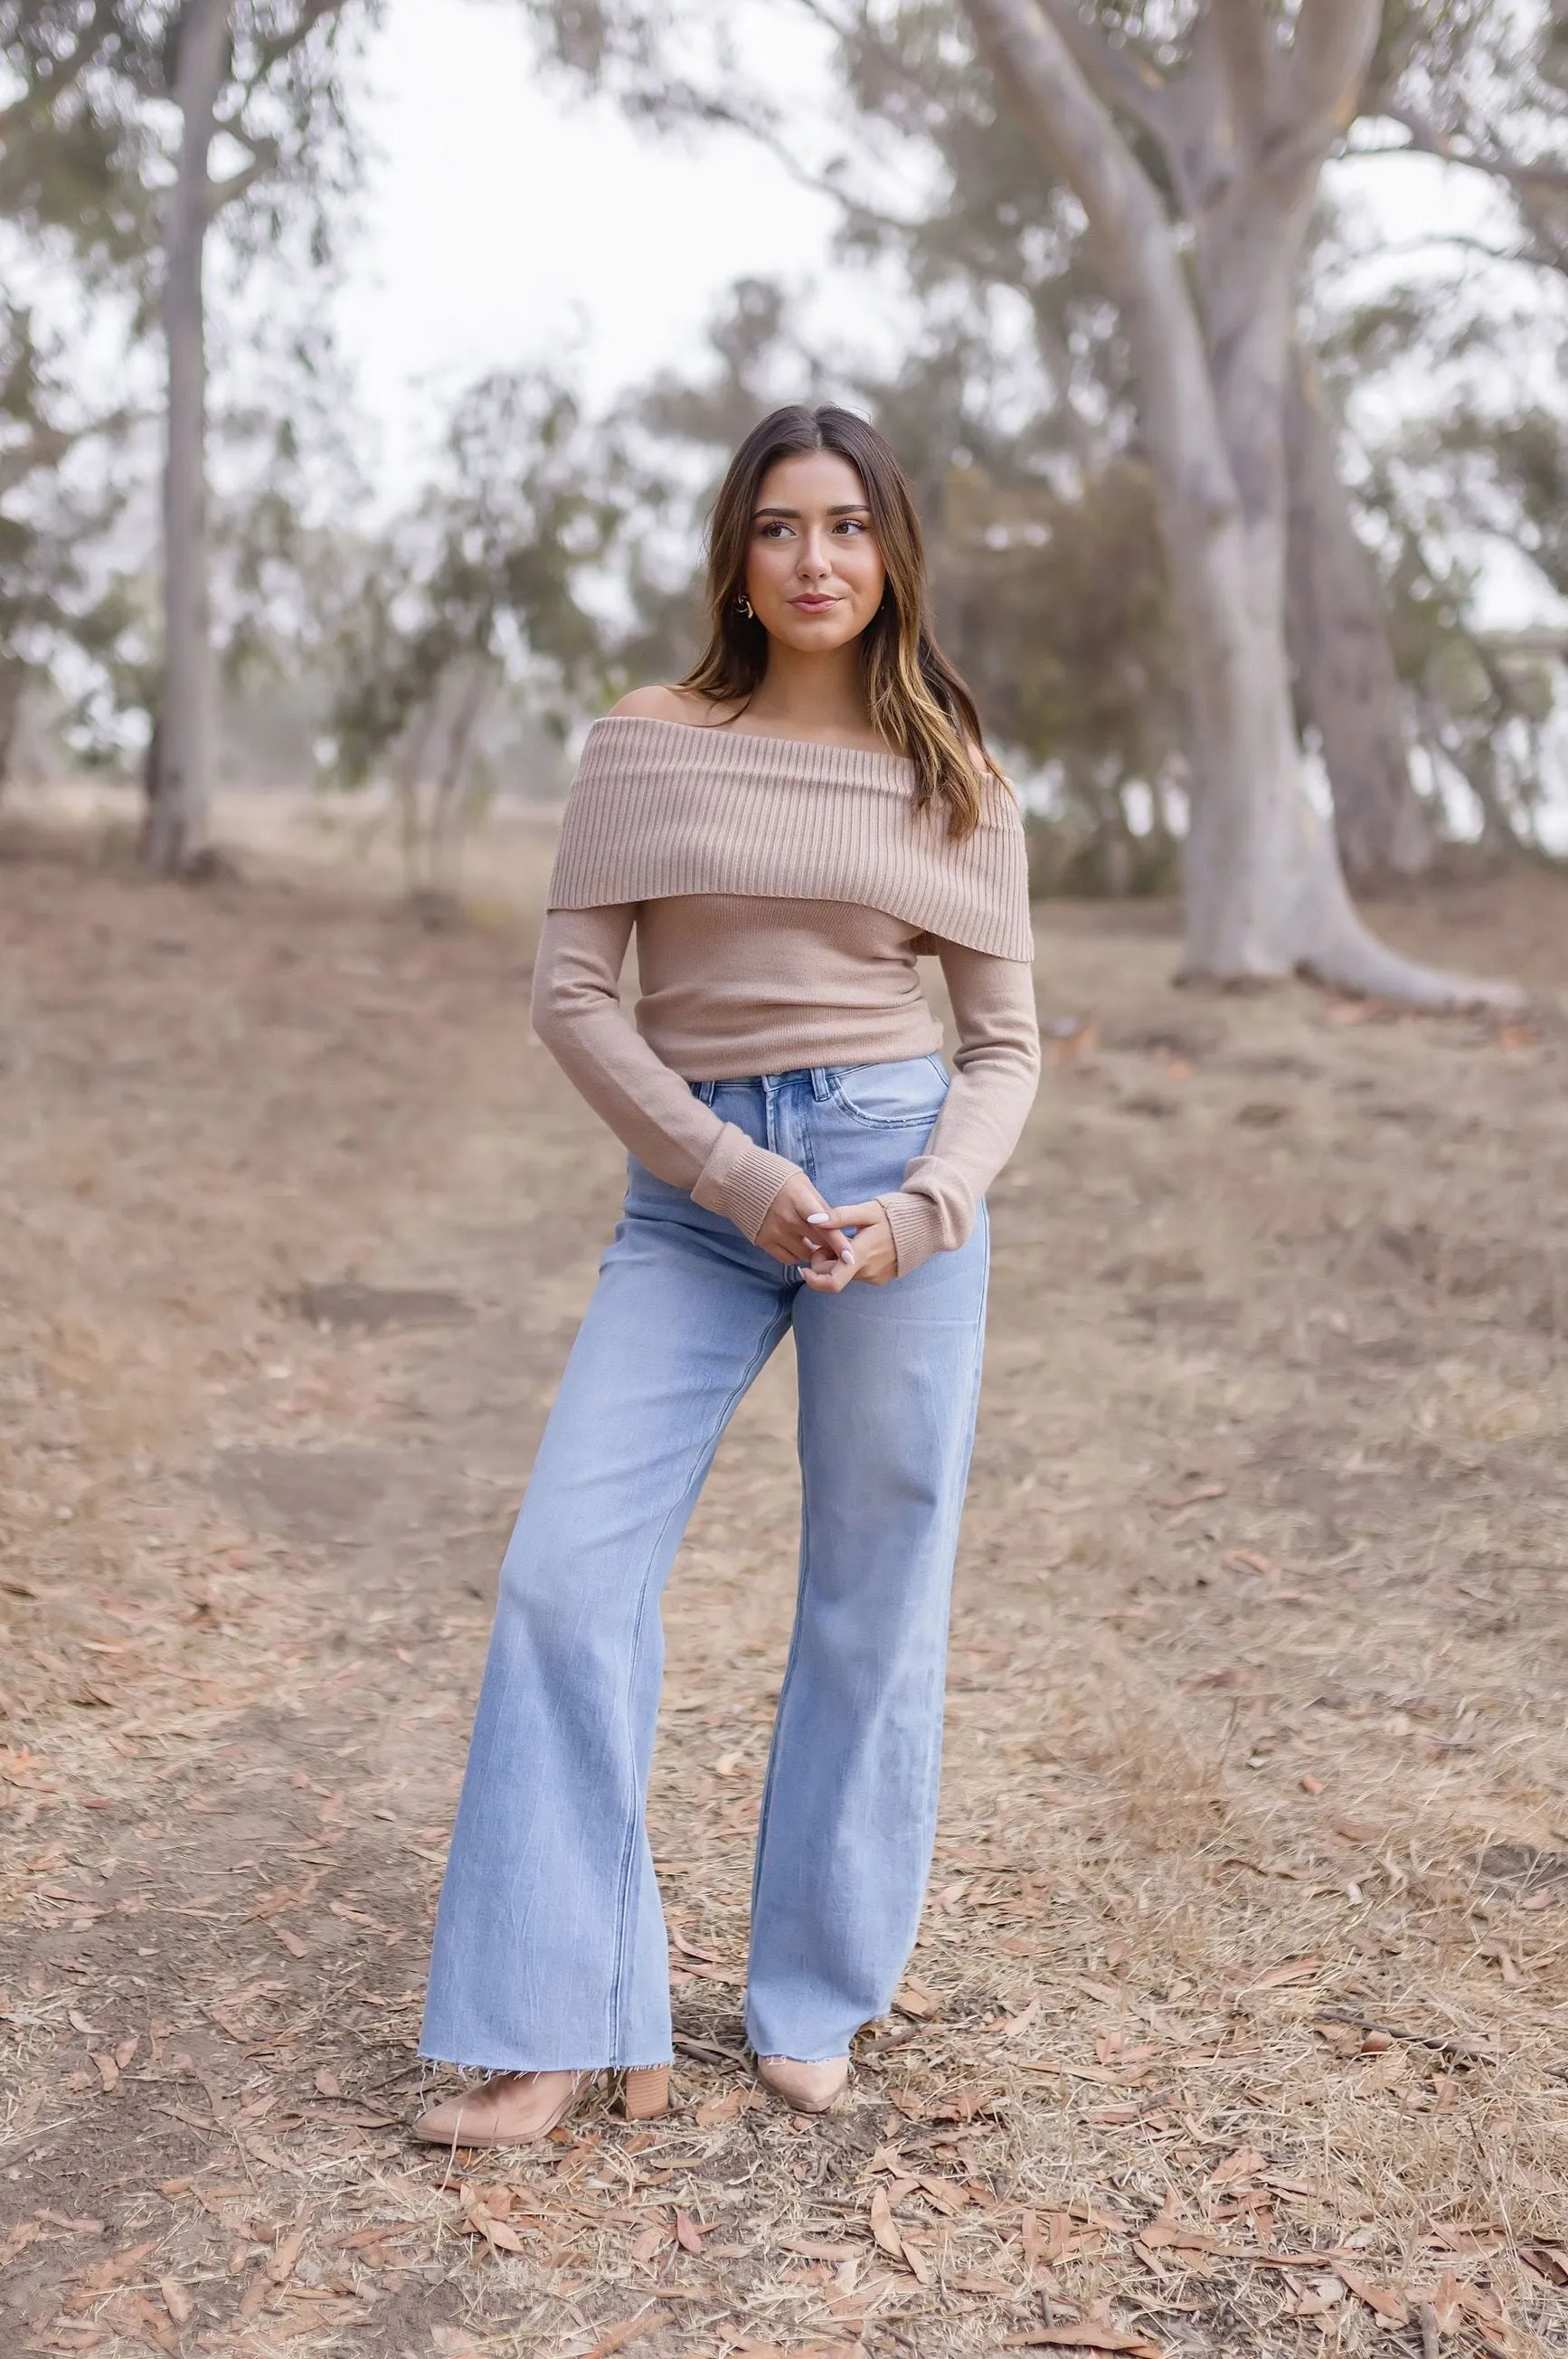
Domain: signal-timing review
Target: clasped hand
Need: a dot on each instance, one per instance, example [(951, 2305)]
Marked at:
[(801, 1228)]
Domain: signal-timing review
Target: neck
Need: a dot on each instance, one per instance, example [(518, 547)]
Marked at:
[(812, 692)]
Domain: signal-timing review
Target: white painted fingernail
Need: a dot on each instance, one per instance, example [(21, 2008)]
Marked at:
[(815, 1219), (848, 1259)]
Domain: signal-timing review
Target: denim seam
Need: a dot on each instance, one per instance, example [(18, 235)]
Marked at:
[(694, 1483), (765, 1812), (888, 1121)]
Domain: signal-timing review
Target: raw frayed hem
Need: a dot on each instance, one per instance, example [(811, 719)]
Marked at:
[(583, 2072)]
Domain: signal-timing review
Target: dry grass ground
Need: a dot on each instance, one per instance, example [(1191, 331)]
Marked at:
[(1258, 1698)]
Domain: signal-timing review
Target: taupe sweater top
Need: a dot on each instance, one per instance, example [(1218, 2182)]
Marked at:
[(781, 893)]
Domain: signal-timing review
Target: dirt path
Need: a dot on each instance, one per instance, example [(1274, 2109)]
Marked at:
[(1256, 1709)]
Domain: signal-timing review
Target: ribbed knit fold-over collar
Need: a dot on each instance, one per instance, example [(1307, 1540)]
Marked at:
[(665, 807)]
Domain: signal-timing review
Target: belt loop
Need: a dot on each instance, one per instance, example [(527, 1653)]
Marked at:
[(821, 1086), (704, 1090)]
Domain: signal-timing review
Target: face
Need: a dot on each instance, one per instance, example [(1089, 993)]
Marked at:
[(813, 572)]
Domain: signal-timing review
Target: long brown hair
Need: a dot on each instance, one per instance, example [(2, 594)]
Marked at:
[(915, 698)]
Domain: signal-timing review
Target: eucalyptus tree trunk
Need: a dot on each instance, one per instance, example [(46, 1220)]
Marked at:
[(1338, 632), (181, 778), (1206, 289)]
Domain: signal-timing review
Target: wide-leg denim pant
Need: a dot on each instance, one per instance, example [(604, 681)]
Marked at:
[(550, 1951)]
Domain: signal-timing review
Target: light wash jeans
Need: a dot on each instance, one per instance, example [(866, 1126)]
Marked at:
[(550, 1950)]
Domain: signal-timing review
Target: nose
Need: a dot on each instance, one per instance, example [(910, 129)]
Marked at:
[(815, 560)]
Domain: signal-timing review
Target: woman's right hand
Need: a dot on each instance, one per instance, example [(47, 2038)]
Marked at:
[(784, 1233)]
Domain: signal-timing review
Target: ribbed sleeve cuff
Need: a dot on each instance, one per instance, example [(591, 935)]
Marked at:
[(923, 1225), (741, 1179)]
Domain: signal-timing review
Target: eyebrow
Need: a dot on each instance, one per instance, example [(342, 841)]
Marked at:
[(849, 507)]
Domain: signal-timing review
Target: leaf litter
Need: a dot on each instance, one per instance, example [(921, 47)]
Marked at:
[(221, 1851)]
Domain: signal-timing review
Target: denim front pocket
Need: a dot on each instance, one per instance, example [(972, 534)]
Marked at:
[(906, 1095)]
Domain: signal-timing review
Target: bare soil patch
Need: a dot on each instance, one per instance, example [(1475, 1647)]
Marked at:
[(1237, 2022)]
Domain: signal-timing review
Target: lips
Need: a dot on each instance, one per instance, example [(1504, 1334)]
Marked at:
[(813, 605)]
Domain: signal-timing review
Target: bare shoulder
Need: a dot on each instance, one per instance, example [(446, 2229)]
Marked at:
[(671, 704)]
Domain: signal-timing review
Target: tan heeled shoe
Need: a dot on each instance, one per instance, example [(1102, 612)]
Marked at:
[(807, 2088), (645, 2091), (517, 2108)]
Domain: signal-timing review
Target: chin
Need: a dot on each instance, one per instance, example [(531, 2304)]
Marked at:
[(814, 634)]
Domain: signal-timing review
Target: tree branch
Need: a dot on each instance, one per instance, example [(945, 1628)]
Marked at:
[(47, 88), (1080, 141), (271, 52), (1248, 57), (1034, 66), (1118, 76), (1425, 140), (264, 155), (1325, 69)]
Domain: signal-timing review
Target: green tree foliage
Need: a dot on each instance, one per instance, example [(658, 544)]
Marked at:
[(477, 593), (56, 508)]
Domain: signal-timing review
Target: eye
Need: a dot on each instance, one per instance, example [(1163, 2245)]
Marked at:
[(850, 524), (774, 529)]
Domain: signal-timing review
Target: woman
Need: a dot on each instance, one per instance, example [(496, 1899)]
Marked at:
[(787, 830)]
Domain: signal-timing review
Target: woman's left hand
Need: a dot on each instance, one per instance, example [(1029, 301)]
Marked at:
[(873, 1256)]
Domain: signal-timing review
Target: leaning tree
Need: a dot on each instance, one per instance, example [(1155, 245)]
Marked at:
[(1193, 135), (1196, 157)]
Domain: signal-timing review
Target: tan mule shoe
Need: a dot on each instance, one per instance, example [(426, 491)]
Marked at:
[(808, 2088), (517, 2108)]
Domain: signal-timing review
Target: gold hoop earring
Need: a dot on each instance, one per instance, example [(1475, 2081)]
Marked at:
[(743, 608)]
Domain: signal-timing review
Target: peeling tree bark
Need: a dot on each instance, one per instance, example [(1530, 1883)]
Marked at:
[(175, 835), (1336, 631), (1244, 134)]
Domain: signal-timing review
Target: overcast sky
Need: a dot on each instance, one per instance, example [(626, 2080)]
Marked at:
[(505, 219)]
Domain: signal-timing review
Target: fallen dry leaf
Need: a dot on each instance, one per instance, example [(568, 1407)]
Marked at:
[(1168, 2233), (729, 2108), (917, 2259), (629, 2330), (175, 2300), (1386, 2300), (1193, 1498), (914, 2000), (963, 2105), (280, 2268), (882, 2229), (495, 2233), (1245, 2163), (1086, 2336), (154, 2327), (1445, 2303), (108, 2070), (1294, 1970), (328, 2083), (650, 2242), (120, 2267), (689, 2235), (291, 1942)]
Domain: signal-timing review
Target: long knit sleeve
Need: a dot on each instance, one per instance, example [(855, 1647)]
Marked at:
[(996, 1073), (577, 1014)]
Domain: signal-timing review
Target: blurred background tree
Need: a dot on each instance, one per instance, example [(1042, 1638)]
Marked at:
[(549, 558)]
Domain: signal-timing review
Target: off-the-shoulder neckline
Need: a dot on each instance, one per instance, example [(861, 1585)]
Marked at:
[(728, 731)]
